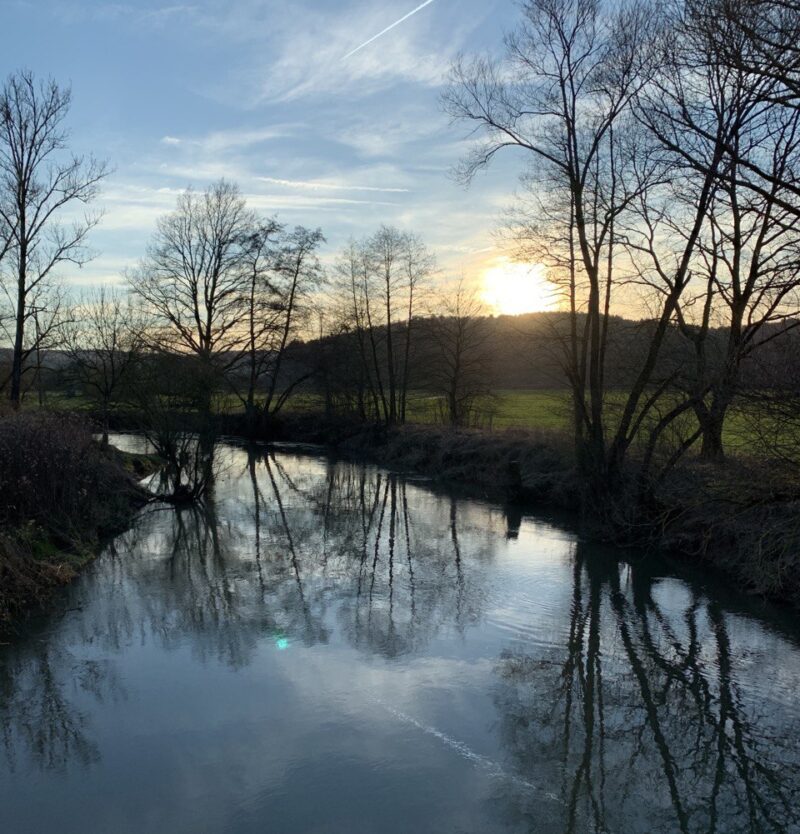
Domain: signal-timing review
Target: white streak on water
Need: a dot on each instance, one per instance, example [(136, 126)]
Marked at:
[(492, 768)]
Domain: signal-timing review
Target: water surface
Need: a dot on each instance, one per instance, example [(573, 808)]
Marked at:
[(329, 647)]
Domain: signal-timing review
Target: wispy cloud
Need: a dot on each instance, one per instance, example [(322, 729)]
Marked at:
[(292, 202), (388, 29), (330, 186), (226, 140), (306, 56), (111, 12), (258, 92)]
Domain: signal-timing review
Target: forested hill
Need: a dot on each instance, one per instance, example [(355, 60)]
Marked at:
[(507, 352), (527, 351)]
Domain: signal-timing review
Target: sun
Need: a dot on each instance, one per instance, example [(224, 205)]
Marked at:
[(511, 288)]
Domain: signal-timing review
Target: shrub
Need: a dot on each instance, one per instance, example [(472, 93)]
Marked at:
[(54, 475), (59, 492)]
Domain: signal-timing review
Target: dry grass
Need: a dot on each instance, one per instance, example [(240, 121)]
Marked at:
[(60, 492), (743, 517)]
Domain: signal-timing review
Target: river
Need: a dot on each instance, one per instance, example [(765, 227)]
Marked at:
[(330, 647)]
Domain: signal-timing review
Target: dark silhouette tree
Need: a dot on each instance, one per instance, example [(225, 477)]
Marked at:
[(38, 180)]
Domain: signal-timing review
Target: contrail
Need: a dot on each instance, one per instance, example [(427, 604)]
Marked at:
[(388, 28)]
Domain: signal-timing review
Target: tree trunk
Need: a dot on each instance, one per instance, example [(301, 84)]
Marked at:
[(712, 425), (390, 368), (19, 336), (104, 435), (712, 448)]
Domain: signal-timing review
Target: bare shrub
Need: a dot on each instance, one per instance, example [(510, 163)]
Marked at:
[(54, 475)]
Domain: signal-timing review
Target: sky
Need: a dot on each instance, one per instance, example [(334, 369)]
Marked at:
[(317, 123)]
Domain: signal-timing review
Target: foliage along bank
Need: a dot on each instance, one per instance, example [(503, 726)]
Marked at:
[(61, 494)]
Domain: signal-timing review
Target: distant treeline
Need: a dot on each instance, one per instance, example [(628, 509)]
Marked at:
[(521, 352), (516, 352)]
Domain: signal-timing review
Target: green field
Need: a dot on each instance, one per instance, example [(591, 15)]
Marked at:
[(540, 409), (547, 409)]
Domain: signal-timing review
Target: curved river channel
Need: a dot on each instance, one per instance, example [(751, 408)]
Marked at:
[(330, 647)]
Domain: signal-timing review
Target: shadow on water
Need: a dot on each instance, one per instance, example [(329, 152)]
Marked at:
[(642, 705)]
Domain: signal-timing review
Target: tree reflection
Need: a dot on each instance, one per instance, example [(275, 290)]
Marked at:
[(277, 550), (641, 718), (632, 721), (39, 716)]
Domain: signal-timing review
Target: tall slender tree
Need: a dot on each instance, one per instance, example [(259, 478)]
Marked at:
[(564, 96), (381, 278), (39, 179)]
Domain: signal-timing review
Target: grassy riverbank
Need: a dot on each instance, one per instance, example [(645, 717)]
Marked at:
[(741, 517), (61, 494), (545, 410)]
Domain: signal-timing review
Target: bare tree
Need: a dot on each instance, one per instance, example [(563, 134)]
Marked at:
[(461, 361), (759, 37), (351, 310), (381, 278), (418, 266), (735, 228), (298, 274), (195, 282), (564, 95), (103, 342), (263, 309), (750, 270), (385, 250), (38, 180)]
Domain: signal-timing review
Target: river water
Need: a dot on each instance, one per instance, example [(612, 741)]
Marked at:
[(330, 647)]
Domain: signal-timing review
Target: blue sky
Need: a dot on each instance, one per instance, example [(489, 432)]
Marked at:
[(259, 91)]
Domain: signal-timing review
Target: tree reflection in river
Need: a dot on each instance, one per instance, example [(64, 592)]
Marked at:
[(641, 720), (271, 559), (627, 702), (39, 714)]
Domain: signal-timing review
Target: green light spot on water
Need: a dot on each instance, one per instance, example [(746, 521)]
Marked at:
[(282, 643)]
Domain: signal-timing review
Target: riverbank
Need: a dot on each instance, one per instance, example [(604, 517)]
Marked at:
[(741, 518), (61, 495)]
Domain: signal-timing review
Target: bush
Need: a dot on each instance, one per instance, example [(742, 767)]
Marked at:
[(55, 476), (60, 491)]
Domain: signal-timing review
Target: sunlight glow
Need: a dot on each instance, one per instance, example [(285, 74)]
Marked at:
[(511, 288)]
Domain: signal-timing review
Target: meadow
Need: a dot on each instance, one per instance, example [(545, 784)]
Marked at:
[(546, 409)]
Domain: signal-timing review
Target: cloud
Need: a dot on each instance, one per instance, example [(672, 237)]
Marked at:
[(305, 48), (226, 140), (129, 13), (271, 203), (129, 207), (345, 144), (330, 186)]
